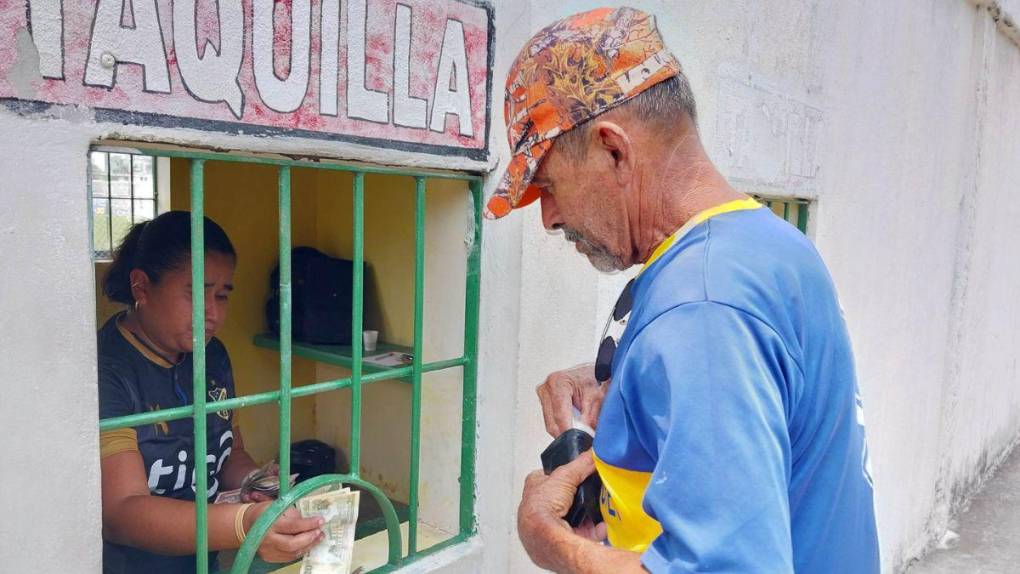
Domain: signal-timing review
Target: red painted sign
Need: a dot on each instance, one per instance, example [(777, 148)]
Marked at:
[(406, 74)]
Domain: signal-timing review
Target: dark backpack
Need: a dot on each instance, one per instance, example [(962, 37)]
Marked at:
[(320, 298)]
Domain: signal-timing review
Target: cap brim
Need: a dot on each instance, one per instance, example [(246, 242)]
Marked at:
[(515, 189)]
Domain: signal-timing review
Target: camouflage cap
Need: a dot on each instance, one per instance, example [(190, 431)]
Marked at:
[(568, 73)]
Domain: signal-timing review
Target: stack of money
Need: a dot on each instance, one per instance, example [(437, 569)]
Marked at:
[(339, 509), (265, 480)]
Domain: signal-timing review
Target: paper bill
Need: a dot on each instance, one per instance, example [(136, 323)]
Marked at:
[(339, 508)]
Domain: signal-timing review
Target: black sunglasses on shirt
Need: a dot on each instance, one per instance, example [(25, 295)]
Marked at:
[(617, 322)]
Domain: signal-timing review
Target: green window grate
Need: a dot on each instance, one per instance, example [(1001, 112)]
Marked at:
[(793, 210), (283, 397)]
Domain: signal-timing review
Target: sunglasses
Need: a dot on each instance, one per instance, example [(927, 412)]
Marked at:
[(615, 326)]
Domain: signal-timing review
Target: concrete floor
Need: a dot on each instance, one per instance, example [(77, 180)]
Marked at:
[(989, 531)]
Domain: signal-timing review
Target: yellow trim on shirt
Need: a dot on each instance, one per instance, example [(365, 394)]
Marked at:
[(145, 351), (627, 525), (113, 442), (700, 217)]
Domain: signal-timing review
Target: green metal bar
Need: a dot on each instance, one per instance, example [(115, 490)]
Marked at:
[(109, 202), (286, 364), (246, 553), (277, 160), (802, 215), (357, 319), (177, 413), (198, 364), (786, 210), (468, 416), (453, 541), (419, 305)]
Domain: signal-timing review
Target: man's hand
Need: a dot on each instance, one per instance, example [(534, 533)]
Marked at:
[(562, 390), (546, 500)]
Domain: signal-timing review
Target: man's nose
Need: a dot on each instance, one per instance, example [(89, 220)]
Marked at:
[(551, 218)]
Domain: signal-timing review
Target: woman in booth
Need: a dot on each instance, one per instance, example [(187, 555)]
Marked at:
[(145, 365)]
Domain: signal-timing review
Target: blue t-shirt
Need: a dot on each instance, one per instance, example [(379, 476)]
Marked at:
[(731, 438)]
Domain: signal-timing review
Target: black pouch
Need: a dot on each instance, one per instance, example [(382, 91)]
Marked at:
[(564, 449)]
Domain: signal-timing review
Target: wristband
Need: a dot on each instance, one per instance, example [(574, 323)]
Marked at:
[(239, 522)]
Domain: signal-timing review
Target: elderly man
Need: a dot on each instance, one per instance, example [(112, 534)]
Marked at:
[(729, 435)]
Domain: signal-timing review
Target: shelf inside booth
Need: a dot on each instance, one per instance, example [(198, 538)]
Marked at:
[(338, 355)]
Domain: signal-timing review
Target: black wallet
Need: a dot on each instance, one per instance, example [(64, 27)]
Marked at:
[(564, 449)]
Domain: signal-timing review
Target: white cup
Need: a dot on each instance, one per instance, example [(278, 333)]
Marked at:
[(370, 338)]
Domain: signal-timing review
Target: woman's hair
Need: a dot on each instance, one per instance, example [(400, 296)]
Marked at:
[(158, 246)]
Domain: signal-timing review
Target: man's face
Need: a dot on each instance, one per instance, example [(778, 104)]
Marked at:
[(582, 197)]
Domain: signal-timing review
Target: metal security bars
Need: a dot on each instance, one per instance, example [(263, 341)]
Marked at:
[(200, 408), (793, 210), (124, 192)]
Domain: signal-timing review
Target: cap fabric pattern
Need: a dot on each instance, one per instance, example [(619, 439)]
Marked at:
[(568, 73)]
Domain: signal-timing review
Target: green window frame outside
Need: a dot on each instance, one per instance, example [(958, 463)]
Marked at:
[(142, 205), (467, 361), (793, 210)]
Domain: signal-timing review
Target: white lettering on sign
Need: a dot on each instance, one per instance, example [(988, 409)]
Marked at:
[(115, 43), (412, 74), (452, 72), (211, 77)]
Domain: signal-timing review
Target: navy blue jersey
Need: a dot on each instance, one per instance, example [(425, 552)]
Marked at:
[(135, 379)]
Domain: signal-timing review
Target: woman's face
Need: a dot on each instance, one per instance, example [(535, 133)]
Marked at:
[(164, 308)]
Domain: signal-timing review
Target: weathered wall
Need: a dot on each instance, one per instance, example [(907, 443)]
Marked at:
[(901, 119)]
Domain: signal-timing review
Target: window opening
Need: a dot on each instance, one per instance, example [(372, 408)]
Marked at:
[(793, 210), (361, 373), (124, 192)]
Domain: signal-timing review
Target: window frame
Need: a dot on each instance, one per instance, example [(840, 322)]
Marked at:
[(804, 207), (159, 199), (468, 359)]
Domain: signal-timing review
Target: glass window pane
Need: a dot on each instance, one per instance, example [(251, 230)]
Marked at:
[(144, 176), (145, 209), (101, 227), (121, 212), (120, 175), (99, 181)]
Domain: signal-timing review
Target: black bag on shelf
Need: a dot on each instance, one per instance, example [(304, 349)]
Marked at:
[(320, 298), (311, 458)]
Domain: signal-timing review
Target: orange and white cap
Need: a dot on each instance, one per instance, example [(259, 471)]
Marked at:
[(568, 73)]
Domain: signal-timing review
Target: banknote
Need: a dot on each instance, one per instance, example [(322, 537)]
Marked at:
[(339, 508)]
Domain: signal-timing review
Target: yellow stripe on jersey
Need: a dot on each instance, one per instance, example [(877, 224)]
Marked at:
[(700, 217), (112, 442), (627, 524)]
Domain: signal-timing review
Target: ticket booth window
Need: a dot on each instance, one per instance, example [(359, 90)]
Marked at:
[(406, 431)]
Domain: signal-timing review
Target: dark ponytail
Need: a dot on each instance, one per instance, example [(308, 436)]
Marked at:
[(158, 246)]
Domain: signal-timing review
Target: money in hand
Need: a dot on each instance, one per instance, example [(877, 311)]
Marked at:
[(339, 509)]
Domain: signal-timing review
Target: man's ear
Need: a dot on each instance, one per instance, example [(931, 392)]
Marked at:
[(612, 140)]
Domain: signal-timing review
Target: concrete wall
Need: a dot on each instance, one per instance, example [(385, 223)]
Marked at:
[(901, 119)]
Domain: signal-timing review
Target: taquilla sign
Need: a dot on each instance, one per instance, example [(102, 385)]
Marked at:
[(407, 74)]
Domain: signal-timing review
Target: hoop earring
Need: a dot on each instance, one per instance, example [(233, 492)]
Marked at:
[(136, 306)]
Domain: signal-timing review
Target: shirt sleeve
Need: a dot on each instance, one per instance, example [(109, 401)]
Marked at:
[(115, 399), (708, 394)]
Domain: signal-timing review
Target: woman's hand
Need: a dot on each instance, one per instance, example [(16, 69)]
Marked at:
[(289, 538)]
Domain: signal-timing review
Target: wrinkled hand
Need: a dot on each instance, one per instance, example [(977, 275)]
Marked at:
[(289, 538), (546, 500), (574, 387)]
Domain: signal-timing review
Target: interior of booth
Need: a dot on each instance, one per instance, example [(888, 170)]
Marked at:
[(243, 199)]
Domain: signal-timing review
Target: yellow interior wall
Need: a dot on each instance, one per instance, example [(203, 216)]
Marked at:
[(242, 198)]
